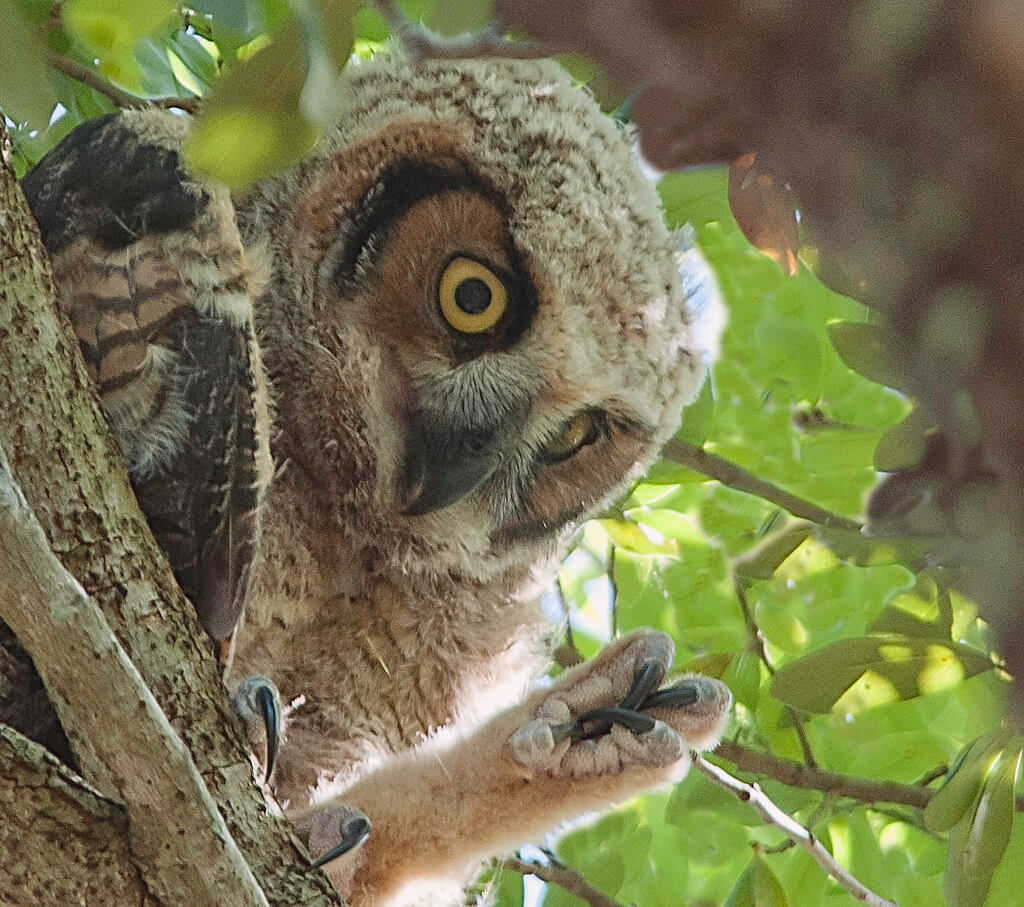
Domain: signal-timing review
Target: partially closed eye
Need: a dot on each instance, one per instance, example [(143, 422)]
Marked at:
[(576, 433)]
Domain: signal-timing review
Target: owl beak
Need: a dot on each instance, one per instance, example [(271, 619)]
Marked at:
[(443, 464)]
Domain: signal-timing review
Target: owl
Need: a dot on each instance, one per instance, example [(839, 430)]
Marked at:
[(366, 403)]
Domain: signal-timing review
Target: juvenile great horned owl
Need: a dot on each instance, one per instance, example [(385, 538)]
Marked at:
[(474, 329)]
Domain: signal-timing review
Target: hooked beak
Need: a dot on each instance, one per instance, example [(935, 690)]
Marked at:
[(444, 463)]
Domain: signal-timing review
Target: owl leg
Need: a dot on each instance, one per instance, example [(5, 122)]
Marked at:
[(610, 714), (257, 702), (603, 732)]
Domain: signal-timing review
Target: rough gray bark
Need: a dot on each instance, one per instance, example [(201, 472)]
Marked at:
[(64, 460), (123, 740), (43, 800)]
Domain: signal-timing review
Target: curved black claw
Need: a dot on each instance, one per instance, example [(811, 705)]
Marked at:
[(678, 697), (355, 833), (257, 702), (648, 679), (627, 712), (605, 716), (271, 712)]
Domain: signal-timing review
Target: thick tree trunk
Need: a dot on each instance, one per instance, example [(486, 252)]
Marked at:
[(64, 460)]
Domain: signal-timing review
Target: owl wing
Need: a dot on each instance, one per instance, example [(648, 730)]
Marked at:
[(152, 273)]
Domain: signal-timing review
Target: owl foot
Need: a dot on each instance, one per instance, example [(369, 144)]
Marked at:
[(258, 704), (332, 832), (612, 713)]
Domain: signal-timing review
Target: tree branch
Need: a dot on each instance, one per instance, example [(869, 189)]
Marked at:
[(72, 474), (42, 801), (757, 640), (119, 96), (564, 877), (124, 740), (752, 794), (728, 473), (795, 774), (423, 44)]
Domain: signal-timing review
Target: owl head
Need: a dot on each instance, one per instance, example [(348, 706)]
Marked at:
[(479, 328)]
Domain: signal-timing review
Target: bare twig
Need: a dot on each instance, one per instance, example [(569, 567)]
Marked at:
[(933, 774), (119, 96), (563, 877), (183, 845), (421, 43), (728, 473), (757, 638), (797, 775), (752, 794)]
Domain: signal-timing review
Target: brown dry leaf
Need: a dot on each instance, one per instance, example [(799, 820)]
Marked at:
[(765, 209)]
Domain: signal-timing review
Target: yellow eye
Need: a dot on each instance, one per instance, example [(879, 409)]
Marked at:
[(472, 297), (581, 430)]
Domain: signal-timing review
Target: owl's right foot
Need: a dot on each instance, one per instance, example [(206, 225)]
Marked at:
[(258, 704), (610, 714)]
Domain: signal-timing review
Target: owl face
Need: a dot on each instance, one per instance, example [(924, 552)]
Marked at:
[(499, 338)]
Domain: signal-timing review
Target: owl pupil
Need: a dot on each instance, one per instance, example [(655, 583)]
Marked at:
[(473, 296)]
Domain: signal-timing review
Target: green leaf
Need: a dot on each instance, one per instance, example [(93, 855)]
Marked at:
[(768, 890), (112, 27), (868, 350), (742, 894), (196, 57), (763, 561), (979, 840), (698, 417), (911, 666), (963, 781), (252, 127), (630, 537), (903, 446), (792, 352), (25, 90), (454, 17), (234, 17), (743, 677), (877, 551)]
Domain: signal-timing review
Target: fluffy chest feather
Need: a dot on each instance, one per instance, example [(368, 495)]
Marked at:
[(368, 667)]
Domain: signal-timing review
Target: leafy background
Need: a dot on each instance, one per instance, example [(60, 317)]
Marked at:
[(853, 653)]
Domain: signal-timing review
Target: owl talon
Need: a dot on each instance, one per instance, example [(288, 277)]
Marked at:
[(605, 717), (680, 696), (648, 678), (356, 832), (332, 832), (258, 704)]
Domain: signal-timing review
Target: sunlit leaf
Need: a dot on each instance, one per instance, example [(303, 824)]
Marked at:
[(252, 127), (815, 682), (632, 538)]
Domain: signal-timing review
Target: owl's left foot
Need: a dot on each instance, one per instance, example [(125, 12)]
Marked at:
[(258, 704), (332, 832), (613, 713)]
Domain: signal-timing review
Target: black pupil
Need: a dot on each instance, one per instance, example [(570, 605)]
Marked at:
[(473, 296)]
